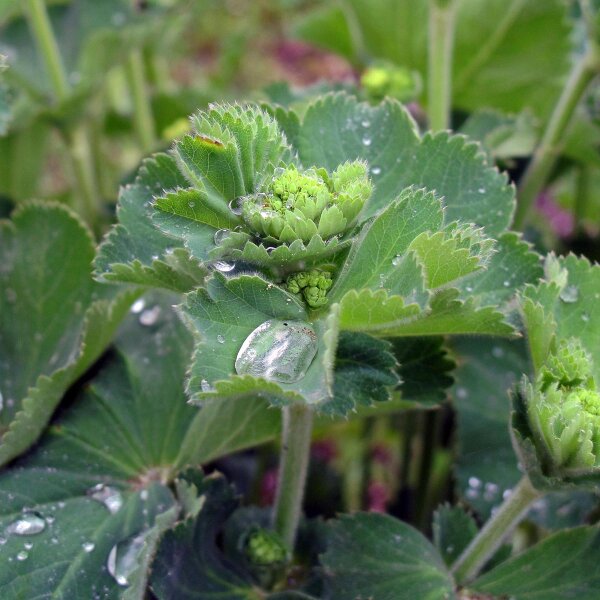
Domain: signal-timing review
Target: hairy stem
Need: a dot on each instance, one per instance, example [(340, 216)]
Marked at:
[(41, 29), (495, 531), (545, 155), (293, 468), (441, 43), (142, 111)]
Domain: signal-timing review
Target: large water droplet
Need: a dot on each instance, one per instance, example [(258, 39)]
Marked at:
[(278, 350), (30, 523), (138, 306), (109, 496), (223, 266), (22, 555), (123, 558), (235, 206), (220, 235), (570, 294), (397, 260), (150, 316)]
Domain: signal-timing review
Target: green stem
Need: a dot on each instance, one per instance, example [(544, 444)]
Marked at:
[(293, 469), (441, 43), (142, 110), (495, 531), (41, 29), (545, 155), (81, 160)]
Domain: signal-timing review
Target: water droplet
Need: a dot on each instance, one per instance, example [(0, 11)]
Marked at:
[(191, 204), (123, 558), (474, 482), (220, 235), (235, 206), (2, 541), (88, 547), (30, 523), (278, 350), (22, 555), (570, 294), (506, 493), (150, 316), (1, 401), (397, 260), (220, 339), (366, 141), (469, 288), (461, 393), (223, 266), (497, 352), (138, 306), (584, 317), (28, 545), (205, 386), (109, 496), (376, 170), (365, 123), (481, 190)]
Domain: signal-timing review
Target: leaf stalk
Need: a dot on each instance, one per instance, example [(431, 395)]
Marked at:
[(495, 531), (293, 469)]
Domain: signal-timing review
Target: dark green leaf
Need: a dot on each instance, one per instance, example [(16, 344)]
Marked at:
[(377, 556), (453, 530)]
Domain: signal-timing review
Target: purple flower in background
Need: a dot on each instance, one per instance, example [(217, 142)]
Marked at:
[(560, 220)]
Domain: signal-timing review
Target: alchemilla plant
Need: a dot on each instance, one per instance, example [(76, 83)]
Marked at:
[(284, 367)]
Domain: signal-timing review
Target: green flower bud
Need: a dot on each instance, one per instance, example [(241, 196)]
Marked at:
[(265, 548), (569, 366), (386, 79), (298, 206), (566, 426), (312, 286)]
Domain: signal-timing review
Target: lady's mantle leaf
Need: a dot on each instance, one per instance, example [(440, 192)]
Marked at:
[(54, 319), (337, 128), (377, 556), (549, 572)]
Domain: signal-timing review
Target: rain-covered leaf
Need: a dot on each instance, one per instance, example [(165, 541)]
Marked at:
[(563, 565), (55, 320), (377, 556)]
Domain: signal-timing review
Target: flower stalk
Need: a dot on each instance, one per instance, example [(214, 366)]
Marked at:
[(293, 469), (496, 530)]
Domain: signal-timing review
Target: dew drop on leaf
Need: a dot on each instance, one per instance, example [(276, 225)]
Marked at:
[(150, 316), (397, 260), (365, 123), (584, 317), (138, 306), (109, 496), (30, 523), (220, 235), (570, 294), (220, 339), (223, 266), (235, 206), (123, 558), (88, 547), (205, 386), (376, 170), (278, 350), (22, 555), (366, 141)]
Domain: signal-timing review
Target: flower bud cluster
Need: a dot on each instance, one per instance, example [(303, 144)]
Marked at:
[(300, 205), (564, 409), (312, 285)]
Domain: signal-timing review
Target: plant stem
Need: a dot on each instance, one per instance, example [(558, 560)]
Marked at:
[(293, 469), (142, 110), (543, 159), (82, 167), (441, 43), (41, 29), (495, 531)]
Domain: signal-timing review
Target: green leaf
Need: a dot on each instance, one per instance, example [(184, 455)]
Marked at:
[(337, 128), (55, 321), (365, 373), (453, 530), (189, 563), (425, 370), (486, 465), (377, 556), (127, 429), (547, 571), (135, 250)]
